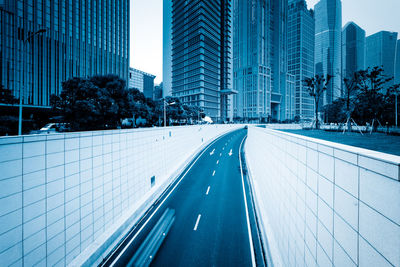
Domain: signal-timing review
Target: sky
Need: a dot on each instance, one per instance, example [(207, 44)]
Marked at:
[(146, 27)]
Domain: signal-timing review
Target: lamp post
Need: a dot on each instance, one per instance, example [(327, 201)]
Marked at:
[(198, 115), (165, 110), (22, 87), (395, 101)]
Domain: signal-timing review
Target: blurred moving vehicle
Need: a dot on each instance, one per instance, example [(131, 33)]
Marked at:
[(54, 127)]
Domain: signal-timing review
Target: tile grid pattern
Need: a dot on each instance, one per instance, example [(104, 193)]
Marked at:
[(327, 205), (59, 193)]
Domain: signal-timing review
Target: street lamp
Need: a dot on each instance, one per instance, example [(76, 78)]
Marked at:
[(395, 109), (165, 111), (22, 87), (198, 115)]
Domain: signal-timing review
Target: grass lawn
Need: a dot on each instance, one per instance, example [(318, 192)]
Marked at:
[(376, 141)]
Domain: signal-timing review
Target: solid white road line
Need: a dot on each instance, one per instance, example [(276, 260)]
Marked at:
[(213, 173), (155, 211), (217, 161), (197, 223), (208, 190), (253, 258)]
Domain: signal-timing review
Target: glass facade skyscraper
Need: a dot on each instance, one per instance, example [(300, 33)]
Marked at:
[(167, 48), (301, 37), (353, 49), (328, 42), (142, 81), (397, 65), (381, 51), (201, 54), (82, 38), (265, 88)]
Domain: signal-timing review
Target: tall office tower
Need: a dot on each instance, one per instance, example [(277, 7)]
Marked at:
[(353, 49), (328, 42), (167, 48), (397, 66), (201, 54), (301, 36), (158, 92), (380, 51), (142, 81), (81, 38), (265, 89)]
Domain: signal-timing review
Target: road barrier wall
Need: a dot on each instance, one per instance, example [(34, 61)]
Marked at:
[(322, 203), (67, 198)]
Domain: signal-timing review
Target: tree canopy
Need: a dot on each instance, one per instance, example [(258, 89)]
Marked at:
[(367, 99), (102, 102), (6, 96)]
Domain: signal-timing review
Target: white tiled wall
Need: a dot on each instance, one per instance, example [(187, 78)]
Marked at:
[(325, 204), (59, 193)]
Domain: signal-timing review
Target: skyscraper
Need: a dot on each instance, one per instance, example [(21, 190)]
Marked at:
[(328, 42), (397, 67), (265, 88), (381, 51), (353, 49), (201, 54), (142, 81), (301, 36), (167, 48), (81, 38)]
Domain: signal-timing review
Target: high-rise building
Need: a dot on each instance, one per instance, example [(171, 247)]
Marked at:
[(353, 49), (381, 52), (328, 42), (158, 92), (397, 67), (142, 81), (74, 39), (167, 48), (301, 36), (265, 88), (201, 54)]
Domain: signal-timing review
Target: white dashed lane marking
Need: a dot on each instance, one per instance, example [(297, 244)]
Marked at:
[(197, 223)]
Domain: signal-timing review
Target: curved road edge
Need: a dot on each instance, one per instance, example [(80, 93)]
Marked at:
[(257, 244), (264, 235)]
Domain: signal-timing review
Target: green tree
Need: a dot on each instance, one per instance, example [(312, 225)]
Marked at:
[(174, 109), (6, 96), (112, 100), (316, 86), (140, 106), (351, 87), (393, 106), (336, 111), (99, 102), (371, 101)]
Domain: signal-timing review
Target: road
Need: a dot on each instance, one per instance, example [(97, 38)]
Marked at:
[(211, 226)]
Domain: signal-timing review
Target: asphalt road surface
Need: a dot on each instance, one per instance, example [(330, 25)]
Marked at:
[(212, 226)]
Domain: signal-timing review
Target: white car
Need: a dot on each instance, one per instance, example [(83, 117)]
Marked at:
[(54, 127)]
